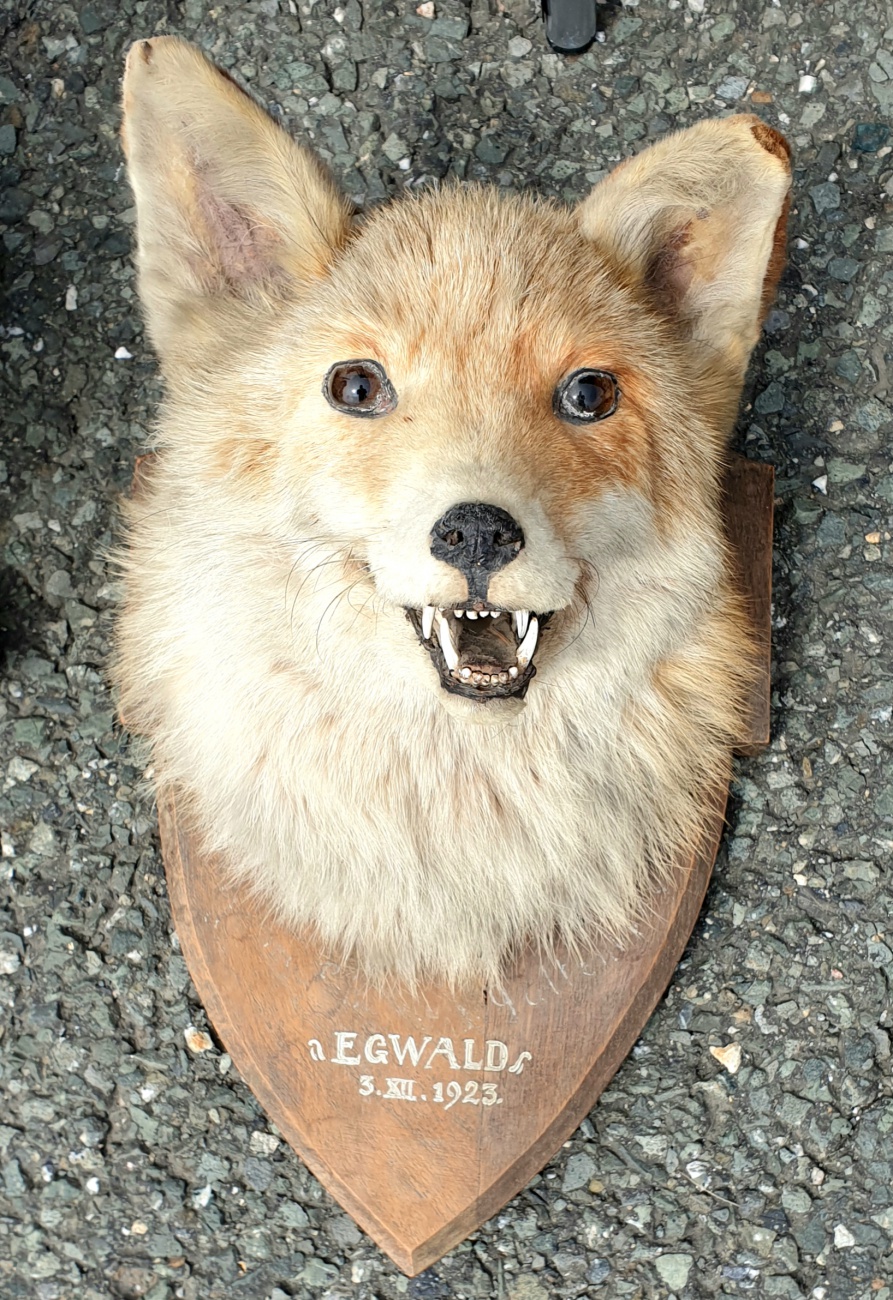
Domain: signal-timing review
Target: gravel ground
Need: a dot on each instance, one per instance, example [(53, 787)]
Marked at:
[(134, 1166)]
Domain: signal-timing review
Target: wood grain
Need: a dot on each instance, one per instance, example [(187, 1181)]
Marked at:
[(418, 1177), (748, 502), (417, 1166)]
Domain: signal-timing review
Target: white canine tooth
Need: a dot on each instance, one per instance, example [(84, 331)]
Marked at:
[(446, 645), (513, 672), (522, 618), (471, 613), (465, 674), (528, 645), (427, 621)]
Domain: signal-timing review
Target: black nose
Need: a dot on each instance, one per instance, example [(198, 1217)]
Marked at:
[(477, 540)]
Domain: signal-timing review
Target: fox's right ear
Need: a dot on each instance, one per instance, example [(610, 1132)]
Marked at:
[(230, 210)]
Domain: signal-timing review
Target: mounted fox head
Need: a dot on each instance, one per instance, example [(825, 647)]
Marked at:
[(485, 397), (458, 461)]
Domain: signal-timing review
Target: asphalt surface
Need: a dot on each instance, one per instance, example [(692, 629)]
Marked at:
[(133, 1165)]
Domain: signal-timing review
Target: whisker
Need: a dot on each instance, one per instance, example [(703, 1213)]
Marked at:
[(333, 602), (321, 564), (587, 605)]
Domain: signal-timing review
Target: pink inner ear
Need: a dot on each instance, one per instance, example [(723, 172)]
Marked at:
[(670, 271), (243, 248)]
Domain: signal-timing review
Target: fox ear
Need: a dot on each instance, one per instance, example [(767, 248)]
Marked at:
[(698, 222), (229, 208)]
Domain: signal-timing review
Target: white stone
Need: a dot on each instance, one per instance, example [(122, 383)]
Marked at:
[(263, 1144), (196, 1040), (729, 1057)]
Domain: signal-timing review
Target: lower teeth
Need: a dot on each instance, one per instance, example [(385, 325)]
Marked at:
[(487, 679)]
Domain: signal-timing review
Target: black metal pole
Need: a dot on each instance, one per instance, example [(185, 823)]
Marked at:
[(570, 24)]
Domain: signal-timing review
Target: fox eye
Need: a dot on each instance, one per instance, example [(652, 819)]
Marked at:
[(359, 388), (586, 396)]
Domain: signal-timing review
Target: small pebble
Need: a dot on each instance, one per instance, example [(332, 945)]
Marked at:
[(729, 1057), (263, 1143), (674, 1269), (196, 1040), (869, 137)]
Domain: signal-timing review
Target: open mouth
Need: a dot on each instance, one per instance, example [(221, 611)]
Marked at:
[(480, 652)]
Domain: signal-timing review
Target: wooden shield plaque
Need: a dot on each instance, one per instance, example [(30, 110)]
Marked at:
[(424, 1113)]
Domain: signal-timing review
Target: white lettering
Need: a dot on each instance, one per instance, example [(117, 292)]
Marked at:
[(380, 1049), (497, 1055), (444, 1048), (399, 1090), (343, 1044), (408, 1049), (468, 1063), (376, 1049)]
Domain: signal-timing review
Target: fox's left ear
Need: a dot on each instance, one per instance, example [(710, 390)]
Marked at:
[(698, 222), (231, 213)]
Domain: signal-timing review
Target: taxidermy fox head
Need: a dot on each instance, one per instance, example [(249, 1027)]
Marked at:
[(474, 394), (455, 460)]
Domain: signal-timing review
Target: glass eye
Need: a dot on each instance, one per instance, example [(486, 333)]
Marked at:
[(586, 396), (359, 388)]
